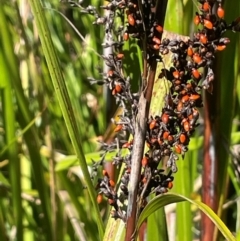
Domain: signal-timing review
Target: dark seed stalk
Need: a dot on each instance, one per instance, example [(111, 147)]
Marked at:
[(167, 135)]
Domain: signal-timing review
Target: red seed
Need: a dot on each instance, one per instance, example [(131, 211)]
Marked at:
[(156, 46), (186, 126), (131, 19), (195, 74), (190, 51), (125, 36), (127, 144), (206, 6), (153, 140), (110, 73), (118, 88), (120, 55), (180, 105), (170, 185), (170, 138), (156, 40), (220, 47), (196, 19), (203, 38), (165, 118), (182, 138), (176, 74), (111, 183), (144, 161), (185, 98), (178, 149), (220, 12), (118, 128), (165, 135), (195, 97), (159, 28), (152, 124), (208, 24), (196, 58), (144, 180), (105, 173), (111, 201), (99, 198)]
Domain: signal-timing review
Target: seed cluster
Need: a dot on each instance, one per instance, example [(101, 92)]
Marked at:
[(168, 134)]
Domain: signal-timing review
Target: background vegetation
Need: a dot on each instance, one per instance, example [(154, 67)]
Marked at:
[(42, 194)]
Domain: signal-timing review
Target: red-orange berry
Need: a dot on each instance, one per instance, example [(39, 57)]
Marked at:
[(159, 28), (118, 128), (156, 40), (99, 198), (176, 74), (144, 161), (220, 12), (125, 36), (203, 38), (170, 185), (208, 24), (152, 124), (190, 51), (206, 6), (196, 19), (165, 118), (131, 19), (111, 183), (182, 138), (105, 173), (196, 74), (220, 47)]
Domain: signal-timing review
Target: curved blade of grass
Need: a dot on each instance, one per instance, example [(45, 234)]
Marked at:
[(64, 101), (163, 200)]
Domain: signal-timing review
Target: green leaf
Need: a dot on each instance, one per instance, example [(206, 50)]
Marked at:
[(168, 198)]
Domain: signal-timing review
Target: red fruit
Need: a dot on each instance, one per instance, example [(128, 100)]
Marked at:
[(125, 36), (176, 74), (156, 46), (220, 47), (99, 198), (195, 73), (120, 55), (170, 185), (190, 51), (185, 98), (165, 135), (110, 73), (186, 126), (206, 6), (118, 128), (196, 19), (203, 38), (159, 28), (208, 24), (144, 161), (220, 12), (165, 118), (178, 149), (196, 58), (195, 97), (111, 183), (105, 173), (156, 40), (118, 88), (131, 19), (182, 138), (152, 124)]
